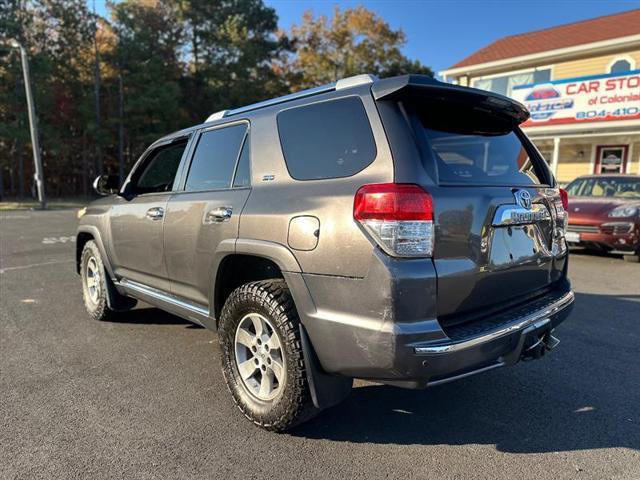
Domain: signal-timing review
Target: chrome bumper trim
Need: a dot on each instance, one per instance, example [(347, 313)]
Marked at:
[(541, 317)]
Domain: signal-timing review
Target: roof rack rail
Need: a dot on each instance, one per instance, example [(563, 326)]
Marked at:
[(329, 87), (217, 115), (355, 81)]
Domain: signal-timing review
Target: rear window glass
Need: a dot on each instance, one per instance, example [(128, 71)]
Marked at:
[(243, 171), (215, 158), (326, 140), (479, 158)]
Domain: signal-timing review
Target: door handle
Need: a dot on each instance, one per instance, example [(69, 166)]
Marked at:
[(155, 213), (218, 215)]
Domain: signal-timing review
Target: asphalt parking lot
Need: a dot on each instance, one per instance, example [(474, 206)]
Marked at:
[(143, 397)]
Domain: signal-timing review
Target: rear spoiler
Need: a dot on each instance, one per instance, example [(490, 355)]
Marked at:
[(422, 87)]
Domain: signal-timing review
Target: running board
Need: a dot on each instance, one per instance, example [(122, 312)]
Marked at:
[(166, 301)]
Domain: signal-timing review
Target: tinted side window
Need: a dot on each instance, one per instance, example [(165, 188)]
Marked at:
[(215, 158), (160, 169), (243, 171), (326, 140)]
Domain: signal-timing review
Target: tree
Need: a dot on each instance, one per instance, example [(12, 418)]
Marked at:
[(54, 33), (351, 42), (147, 56), (229, 45), (105, 88), (14, 135)]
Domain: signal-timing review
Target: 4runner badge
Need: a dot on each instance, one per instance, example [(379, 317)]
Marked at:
[(522, 213)]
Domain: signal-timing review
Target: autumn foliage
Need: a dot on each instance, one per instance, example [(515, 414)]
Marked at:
[(108, 86)]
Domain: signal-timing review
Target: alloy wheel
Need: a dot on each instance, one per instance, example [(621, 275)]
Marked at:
[(259, 357), (92, 279)]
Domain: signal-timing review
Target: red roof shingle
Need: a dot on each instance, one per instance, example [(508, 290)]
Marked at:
[(569, 35)]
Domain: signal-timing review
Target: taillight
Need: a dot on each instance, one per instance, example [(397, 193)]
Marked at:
[(398, 216), (564, 196), (561, 204)]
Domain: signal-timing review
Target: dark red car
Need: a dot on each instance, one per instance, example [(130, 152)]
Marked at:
[(604, 214)]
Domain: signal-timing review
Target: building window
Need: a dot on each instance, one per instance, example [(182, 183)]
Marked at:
[(611, 158), (504, 84), (621, 65)]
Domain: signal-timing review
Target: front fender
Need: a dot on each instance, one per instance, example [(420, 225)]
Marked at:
[(94, 232)]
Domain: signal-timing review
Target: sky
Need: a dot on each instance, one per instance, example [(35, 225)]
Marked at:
[(440, 33)]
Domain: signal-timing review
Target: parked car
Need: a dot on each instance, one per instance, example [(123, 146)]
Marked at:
[(604, 214), (401, 230)]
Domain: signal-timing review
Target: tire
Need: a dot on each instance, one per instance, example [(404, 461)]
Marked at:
[(100, 297), (267, 305)]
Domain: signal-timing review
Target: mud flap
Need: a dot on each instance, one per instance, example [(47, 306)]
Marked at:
[(326, 390), (116, 301)]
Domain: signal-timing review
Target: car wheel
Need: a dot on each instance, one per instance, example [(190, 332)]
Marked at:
[(100, 297), (262, 359)]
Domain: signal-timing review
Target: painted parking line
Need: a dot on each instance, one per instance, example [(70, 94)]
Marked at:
[(34, 265), (52, 240)]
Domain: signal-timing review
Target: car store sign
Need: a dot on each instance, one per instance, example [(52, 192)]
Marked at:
[(598, 98)]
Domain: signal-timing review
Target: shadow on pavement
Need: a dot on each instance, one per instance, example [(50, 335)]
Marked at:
[(573, 399), (150, 316)]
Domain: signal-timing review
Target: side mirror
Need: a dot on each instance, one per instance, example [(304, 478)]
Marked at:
[(106, 184)]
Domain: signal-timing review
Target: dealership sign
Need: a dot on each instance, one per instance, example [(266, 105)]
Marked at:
[(598, 98)]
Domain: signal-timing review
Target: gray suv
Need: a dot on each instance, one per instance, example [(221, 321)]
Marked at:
[(403, 231)]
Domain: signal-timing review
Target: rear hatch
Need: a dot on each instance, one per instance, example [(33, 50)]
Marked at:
[(498, 217)]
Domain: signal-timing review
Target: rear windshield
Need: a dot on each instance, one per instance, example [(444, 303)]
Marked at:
[(464, 156)]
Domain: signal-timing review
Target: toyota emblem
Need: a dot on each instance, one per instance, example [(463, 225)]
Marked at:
[(523, 198)]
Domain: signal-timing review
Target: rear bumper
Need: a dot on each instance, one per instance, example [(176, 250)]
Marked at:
[(503, 345), (384, 327)]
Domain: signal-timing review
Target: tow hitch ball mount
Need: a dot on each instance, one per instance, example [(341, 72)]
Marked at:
[(537, 344)]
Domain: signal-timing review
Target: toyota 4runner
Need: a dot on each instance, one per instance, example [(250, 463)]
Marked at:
[(403, 231)]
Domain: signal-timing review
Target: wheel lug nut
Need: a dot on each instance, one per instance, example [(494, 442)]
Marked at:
[(256, 361)]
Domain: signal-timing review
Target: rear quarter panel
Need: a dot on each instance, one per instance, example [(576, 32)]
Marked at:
[(342, 249)]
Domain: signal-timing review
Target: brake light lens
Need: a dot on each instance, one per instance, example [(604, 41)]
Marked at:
[(561, 203), (565, 199), (398, 216)]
